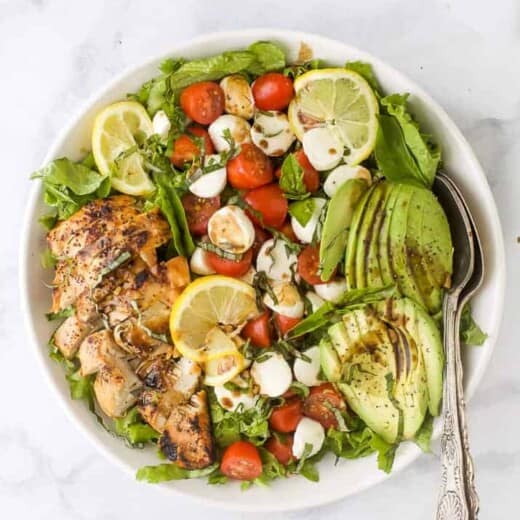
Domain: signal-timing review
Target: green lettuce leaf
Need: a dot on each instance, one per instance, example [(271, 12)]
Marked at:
[(470, 332), (291, 179), (425, 153), (132, 427), (365, 70), (64, 313), (165, 472)]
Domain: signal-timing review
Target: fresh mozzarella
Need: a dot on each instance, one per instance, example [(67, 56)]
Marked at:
[(315, 301), (305, 233), (230, 229), (239, 129), (306, 372), (161, 124), (308, 432), (274, 259), (238, 96), (232, 399), (288, 300), (249, 276), (271, 132), (331, 291), (199, 262), (273, 375), (322, 147), (342, 174), (209, 184)]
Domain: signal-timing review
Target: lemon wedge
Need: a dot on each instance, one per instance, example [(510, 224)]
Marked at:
[(340, 101), (209, 302), (117, 129)]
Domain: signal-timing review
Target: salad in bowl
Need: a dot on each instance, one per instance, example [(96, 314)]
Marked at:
[(249, 267)]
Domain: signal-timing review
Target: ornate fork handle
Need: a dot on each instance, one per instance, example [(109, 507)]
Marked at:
[(453, 501)]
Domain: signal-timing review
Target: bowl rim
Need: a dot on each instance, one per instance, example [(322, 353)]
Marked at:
[(252, 34)]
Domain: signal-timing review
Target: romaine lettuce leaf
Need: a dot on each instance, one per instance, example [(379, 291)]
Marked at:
[(165, 472), (365, 70), (470, 332), (132, 427)]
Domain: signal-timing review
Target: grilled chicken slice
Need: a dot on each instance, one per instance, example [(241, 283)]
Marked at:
[(116, 387), (168, 384), (99, 237), (187, 438), (70, 334), (98, 350)]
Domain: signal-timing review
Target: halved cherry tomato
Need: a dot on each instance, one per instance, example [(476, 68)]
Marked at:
[(288, 231), (311, 177), (203, 102), (258, 330), (286, 417), (318, 402), (186, 149), (201, 132), (309, 264), (281, 448), (198, 212), (285, 323), (270, 203), (272, 91), (241, 461), (250, 169), (230, 267), (261, 235)]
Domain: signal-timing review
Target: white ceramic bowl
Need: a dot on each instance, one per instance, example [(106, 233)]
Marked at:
[(347, 477)]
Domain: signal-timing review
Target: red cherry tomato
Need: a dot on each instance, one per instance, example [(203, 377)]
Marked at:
[(285, 323), (258, 330), (273, 91), (203, 102), (241, 461), (198, 131), (261, 235), (288, 231), (184, 150), (251, 168), (230, 267), (281, 449), (198, 212), (316, 405), (286, 417), (311, 177), (309, 264), (270, 203)]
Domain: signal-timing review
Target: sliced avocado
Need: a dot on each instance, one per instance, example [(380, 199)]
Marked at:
[(340, 340), (365, 232), (399, 259), (329, 361), (419, 325), (350, 251), (383, 254), (428, 286), (337, 223)]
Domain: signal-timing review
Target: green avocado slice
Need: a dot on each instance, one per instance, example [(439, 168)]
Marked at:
[(337, 223), (399, 259), (329, 361), (387, 275), (350, 251)]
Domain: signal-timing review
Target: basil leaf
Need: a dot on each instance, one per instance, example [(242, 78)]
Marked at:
[(302, 210), (470, 332), (165, 472), (291, 179), (64, 313)]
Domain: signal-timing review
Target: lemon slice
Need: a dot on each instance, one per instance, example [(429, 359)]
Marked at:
[(209, 302), (341, 101), (117, 128)]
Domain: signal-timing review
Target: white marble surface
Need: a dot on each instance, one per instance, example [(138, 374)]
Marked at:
[(53, 54)]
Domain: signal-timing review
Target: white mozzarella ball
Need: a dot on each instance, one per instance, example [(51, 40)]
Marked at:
[(331, 291), (199, 262), (209, 184), (238, 96), (288, 300), (306, 372), (249, 276), (274, 259), (315, 301), (272, 133), (230, 229), (305, 233), (238, 128), (273, 375), (308, 432), (161, 124), (232, 399), (342, 174), (322, 147)]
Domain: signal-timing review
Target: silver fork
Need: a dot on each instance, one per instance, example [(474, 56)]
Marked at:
[(458, 498)]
